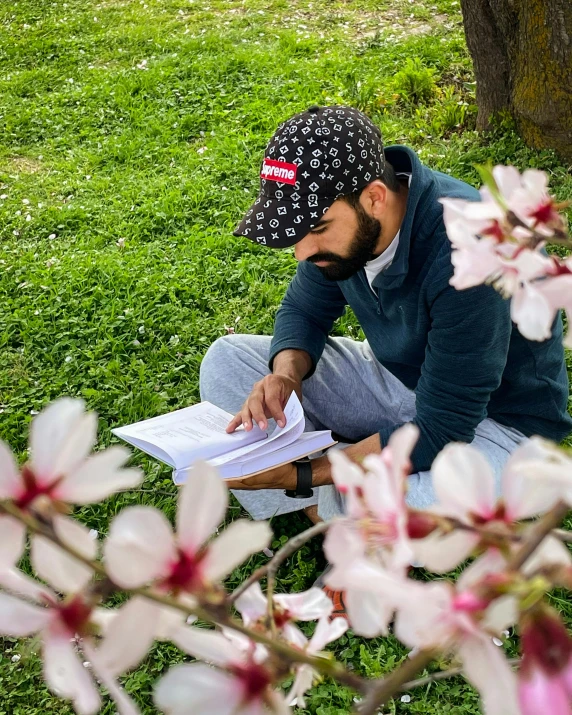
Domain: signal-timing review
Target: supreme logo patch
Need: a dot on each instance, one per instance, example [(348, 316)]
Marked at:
[(279, 171)]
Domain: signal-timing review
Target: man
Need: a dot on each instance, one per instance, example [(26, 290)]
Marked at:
[(368, 232)]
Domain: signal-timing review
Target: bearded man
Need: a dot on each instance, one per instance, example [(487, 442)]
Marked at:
[(367, 229)]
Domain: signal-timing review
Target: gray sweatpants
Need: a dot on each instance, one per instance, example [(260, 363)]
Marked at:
[(350, 393)]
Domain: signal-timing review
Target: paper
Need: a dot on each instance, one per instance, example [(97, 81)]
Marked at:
[(197, 432), (293, 428)]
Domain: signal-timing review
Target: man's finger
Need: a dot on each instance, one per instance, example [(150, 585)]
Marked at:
[(274, 406), (246, 418), (258, 415), (235, 422)]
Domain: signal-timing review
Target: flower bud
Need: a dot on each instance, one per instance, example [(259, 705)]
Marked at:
[(545, 677), (420, 524)]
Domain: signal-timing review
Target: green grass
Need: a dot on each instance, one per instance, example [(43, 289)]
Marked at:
[(146, 121)]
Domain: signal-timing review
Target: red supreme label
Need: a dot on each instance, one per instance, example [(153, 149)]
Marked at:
[(279, 171)]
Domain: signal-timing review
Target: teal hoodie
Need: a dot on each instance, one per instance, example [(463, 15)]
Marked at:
[(458, 350)]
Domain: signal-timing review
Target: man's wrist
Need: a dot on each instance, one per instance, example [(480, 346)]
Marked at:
[(321, 472)]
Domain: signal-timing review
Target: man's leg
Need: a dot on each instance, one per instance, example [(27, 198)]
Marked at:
[(349, 392)]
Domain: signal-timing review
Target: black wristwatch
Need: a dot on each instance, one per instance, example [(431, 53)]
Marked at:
[(303, 480)]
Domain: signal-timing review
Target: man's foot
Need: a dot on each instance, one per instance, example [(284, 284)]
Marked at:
[(336, 597)]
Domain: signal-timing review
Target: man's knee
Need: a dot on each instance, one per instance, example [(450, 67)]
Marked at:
[(216, 363)]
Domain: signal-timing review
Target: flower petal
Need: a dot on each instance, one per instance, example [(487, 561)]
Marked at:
[(66, 675), (12, 541), (369, 613), (16, 582), (140, 547), (305, 606), (202, 505), (99, 476), (521, 494), (464, 481), (251, 604), (441, 553), (401, 445), (10, 481), (18, 618), (236, 543), (532, 313), (61, 570), (486, 667), (507, 179), (302, 682), (211, 646), (61, 437), (197, 688), (326, 632), (125, 706), (343, 542), (129, 636), (421, 620), (550, 552)]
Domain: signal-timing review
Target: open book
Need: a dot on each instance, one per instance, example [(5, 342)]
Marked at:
[(182, 437)]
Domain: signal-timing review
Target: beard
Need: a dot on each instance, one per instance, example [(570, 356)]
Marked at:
[(361, 251)]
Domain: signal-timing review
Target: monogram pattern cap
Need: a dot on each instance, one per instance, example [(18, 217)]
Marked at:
[(313, 158)]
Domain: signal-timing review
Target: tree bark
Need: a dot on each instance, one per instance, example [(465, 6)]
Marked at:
[(522, 55)]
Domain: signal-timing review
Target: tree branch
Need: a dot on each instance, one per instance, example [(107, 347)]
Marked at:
[(441, 675), (271, 567), (563, 534), (380, 691), (537, 533)]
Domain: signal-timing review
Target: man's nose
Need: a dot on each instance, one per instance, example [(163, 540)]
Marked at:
[(305, 248)]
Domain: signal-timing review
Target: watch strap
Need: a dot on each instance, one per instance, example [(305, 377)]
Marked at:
[(303, 481)]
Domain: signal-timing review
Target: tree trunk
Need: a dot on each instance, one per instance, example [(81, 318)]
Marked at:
[(522, 54)]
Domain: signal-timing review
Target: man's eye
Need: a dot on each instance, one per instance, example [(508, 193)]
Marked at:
[(318, 231)]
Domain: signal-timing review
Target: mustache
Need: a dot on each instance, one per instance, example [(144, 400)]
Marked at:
[(317, 257)]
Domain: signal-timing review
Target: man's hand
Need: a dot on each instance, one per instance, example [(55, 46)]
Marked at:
[(267, 399), (283, 477)]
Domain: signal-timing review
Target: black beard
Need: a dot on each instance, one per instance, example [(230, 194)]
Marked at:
[(362, 250)]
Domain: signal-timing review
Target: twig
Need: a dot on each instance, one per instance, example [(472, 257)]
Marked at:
[(290, 654), (380, 691), (47, 532), (441, 675), (537, 533), (563, 534), (271, 567)]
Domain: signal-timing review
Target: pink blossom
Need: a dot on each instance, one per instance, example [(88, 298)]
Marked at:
[(532, 204), (465, 487), (288, 607), (239, 684), (61, 470), (545, 677), (370, 610), (434, 616), (376, 523), (142, 549), (59, 621)]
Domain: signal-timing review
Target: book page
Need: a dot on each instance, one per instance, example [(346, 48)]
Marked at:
[(197, 432), (280, 437)]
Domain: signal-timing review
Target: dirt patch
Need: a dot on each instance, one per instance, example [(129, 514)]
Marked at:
[(23, 165)]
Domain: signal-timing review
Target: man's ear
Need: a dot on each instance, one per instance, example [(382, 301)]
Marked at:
[(374, 199)]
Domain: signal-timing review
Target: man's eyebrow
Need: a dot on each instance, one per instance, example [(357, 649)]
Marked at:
[(321, 222)]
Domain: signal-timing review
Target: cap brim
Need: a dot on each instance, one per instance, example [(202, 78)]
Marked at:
[(278, 223)]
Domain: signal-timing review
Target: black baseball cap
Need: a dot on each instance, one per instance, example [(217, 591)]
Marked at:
[(313, 158)]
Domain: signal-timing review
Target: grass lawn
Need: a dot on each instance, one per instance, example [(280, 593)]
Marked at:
[(130, 137)]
